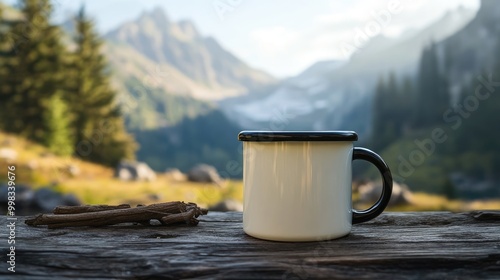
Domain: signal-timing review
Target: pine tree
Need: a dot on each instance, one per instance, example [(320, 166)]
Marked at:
[(3, 33), (433, 94), (383, 128), (479, 132), (98, 121), (405, 106), (34, 70), (378, 108), (392, 100), (58, 135), (3, 53), (496, 64)]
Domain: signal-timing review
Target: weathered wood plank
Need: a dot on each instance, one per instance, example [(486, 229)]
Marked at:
[(435, 245)]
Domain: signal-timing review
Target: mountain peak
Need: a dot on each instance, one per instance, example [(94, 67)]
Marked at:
[(489, 9), (188, 28), (322, 66), (205, 68), (157, 15)]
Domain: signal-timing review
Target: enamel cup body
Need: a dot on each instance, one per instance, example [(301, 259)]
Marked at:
[(297, 190)]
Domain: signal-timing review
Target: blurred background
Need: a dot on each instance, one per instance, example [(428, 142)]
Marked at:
[(108, 102)]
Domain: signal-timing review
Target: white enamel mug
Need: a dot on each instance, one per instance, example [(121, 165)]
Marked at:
[(297, 184)]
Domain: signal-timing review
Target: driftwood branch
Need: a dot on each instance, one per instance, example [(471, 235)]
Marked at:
[(101, 215), (87, 208)]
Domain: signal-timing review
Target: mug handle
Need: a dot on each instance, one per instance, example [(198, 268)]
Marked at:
[(360, 216)]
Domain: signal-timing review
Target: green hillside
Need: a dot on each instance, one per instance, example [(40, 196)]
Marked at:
[(209, 138), (37, 167)]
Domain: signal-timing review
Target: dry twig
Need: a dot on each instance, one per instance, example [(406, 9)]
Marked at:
[(102, 215)]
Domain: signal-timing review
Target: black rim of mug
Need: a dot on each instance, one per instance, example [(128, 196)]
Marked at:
[(279, 136)]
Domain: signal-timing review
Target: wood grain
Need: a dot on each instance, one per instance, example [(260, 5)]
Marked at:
[(434, 245)]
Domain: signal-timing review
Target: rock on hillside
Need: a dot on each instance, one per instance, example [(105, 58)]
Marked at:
[(204, 173)]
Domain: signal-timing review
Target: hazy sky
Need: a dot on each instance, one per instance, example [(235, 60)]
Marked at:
[(282, 37)]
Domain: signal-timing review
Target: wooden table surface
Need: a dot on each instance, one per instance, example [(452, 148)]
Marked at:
[(434, 245)]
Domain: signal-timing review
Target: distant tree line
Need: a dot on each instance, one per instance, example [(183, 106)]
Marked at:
[(56, 90), (413, 104), (406, 107)]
